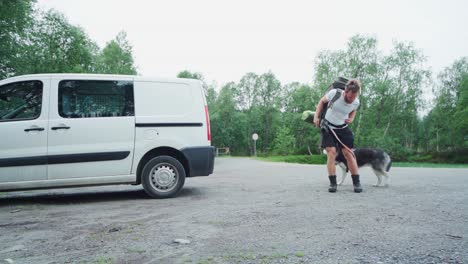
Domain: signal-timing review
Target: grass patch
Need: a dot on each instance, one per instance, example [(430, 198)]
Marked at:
[(233, 157), (428, 165), (207, 260), (104, 260), (322, 159), (302, 159), (262, 259), (248, 256), (299, 254), (278, 256)]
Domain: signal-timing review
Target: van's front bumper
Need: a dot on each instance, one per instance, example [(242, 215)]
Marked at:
[(200, 160)]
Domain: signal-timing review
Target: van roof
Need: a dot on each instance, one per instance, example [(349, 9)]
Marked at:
[(101, 76)]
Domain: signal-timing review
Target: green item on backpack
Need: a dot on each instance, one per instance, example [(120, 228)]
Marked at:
[(308, 116)]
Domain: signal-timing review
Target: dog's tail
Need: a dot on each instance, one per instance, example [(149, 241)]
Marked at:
[(389, 165)]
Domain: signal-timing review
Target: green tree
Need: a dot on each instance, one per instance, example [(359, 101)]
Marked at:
[(211, 97), (461, 112), (394, 100), (245, 96), (15, 18), (194, 75), (269, 104), (116, 57), (246, 91), (447, 123), (359, 60), (298, 98), (284, 142), (224, 119), (391, 93), (32, 41), (190, 75), (56, 46)]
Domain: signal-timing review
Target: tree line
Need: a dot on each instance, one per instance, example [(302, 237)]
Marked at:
[(36, 41), (397, 89), (407, 110)]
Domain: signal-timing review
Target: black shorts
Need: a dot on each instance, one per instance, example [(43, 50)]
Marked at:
[(344, 134)]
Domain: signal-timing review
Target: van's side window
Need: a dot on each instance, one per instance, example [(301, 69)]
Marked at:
[(85, 99), (20, 101)]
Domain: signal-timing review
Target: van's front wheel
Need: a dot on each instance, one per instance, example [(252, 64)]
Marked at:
[(163, 177)]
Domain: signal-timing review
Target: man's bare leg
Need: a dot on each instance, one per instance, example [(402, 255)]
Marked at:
[(331, 167)]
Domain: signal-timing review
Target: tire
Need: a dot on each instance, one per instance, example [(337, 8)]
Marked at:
[(163, 177)]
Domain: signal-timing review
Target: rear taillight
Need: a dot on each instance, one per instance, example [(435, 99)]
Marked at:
[(208, 129)]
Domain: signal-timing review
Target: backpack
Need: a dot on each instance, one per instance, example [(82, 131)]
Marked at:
[(339, 84)]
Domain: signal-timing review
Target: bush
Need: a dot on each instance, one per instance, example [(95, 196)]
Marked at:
[(454, 156), (284, 142), (303, 159), (421, 158)]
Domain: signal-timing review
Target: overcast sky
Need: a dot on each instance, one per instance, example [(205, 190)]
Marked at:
[(223, 40)]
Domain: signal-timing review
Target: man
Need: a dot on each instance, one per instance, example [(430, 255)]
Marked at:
[(335, 129)]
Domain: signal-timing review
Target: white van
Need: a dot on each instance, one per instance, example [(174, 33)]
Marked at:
[(70, 130)]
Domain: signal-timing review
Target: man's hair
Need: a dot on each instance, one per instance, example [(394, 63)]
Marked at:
[(353, 85)]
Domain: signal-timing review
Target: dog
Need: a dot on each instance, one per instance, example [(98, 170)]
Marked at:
[(377, 159)]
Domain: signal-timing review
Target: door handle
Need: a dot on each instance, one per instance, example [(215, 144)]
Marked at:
[(34, 129), (60, 127)]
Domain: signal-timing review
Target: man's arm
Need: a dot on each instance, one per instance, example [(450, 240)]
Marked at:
[(351, 117), (319, 109)]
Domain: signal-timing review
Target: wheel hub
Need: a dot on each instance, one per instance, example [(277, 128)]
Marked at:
[(163, 177)]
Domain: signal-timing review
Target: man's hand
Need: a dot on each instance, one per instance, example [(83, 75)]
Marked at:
[(351, 117), (319, 110), (316, 122)]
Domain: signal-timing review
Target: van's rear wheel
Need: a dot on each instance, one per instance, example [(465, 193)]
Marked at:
[(163, 177)]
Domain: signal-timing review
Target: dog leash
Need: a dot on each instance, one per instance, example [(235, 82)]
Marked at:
[(337, 138)]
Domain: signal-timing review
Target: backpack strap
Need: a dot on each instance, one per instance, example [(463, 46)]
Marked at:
[(335, 97), (329, 105)]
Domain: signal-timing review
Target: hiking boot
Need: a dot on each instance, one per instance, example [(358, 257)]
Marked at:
[(333, 184), (356, 183)]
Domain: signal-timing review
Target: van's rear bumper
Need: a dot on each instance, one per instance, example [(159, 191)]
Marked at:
[(200, 160)]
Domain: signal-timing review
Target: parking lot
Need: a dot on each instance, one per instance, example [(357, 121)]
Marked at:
[(248, 211)]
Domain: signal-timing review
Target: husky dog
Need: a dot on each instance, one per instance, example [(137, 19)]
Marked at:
[(377, 159)]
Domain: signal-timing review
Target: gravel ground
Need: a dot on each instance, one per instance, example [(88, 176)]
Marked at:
[(248, 211)]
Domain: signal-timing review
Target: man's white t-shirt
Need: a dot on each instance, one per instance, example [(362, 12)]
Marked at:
[(340, 110)]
